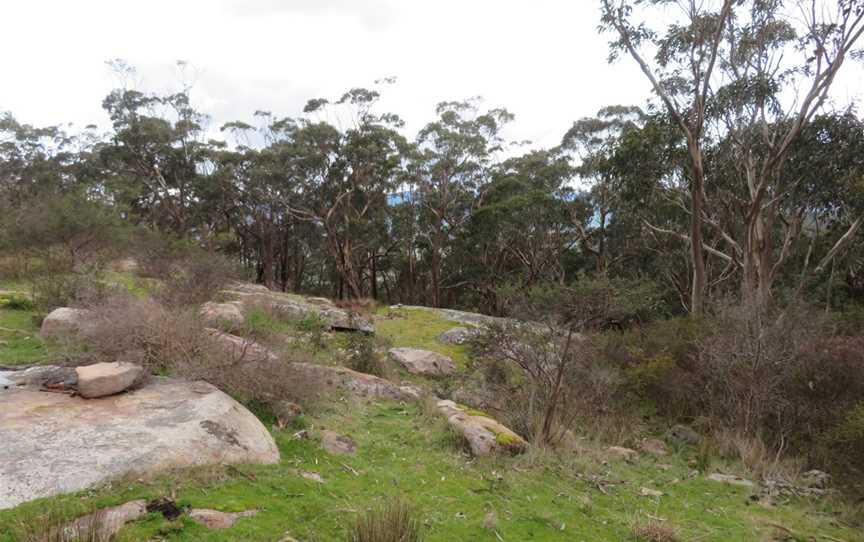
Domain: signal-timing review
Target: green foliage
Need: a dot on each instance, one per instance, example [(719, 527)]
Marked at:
[(589, 303), (19, 337), (848, 436), (363, 354), (17, 303), (316, 327)]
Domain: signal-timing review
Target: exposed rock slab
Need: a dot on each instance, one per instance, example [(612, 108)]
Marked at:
[(66, 322), (653, 446), (40, 377), (352, 383), (336, 444), (103, 379), (214, 519), (239, 348), (621, 452), (423, 362), (295, 307), (105, 523), (730, 479), (222, 313), (52, 443), (685, 434), (485, 435), (457, 335)]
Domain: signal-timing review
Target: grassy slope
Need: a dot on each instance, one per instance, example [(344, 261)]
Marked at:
[(402, 451), (419, 329), (19, 338)]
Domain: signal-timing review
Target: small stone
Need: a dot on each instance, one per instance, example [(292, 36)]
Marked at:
[(103, 379), (816, 479), (623, 453), (214, 519), (685, 434), (314, 476), (648, 492), (730, 479), (654, 446), (336, 444), (490, 522)]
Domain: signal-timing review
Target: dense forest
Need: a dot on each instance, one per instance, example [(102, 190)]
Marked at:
[(735, 178)]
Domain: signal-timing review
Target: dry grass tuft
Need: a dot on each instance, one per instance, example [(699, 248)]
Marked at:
[(393, 521), (655, 531)]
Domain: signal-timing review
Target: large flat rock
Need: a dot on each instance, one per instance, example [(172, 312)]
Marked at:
[(423, 362), (53, 443), (296, 307)]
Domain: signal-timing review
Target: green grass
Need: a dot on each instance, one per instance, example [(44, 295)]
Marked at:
[(137, 286), (19, 338), (402, 453), (416, 328)]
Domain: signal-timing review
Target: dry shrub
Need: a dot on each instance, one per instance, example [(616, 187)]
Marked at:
[(760, 460), (393, 521), (560, 384), (200, 276), (144, 330), (171, 340), (655, 531), (363, 305)]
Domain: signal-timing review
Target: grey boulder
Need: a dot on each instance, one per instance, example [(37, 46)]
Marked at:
[(66, 322), (53, 443), (423, 362)]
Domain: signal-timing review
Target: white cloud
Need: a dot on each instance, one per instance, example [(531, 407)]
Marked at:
[(543, 59)]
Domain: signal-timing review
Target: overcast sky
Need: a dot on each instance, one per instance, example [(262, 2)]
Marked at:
[(542, 59)]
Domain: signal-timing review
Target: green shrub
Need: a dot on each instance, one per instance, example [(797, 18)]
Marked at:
[(314, 325), (848, 436), (394, 521), (19, 303), (362, 354)]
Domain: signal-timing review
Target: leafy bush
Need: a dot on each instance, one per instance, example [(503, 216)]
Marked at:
[(18, 303), (394, 521), (363, 354), (846, 440)]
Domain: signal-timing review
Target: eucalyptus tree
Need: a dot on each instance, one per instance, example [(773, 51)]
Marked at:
[(158, 156), (455, 153), (721, 69), (594, 141), (680, 76), (520, 234), (345, 175), (778, 65)]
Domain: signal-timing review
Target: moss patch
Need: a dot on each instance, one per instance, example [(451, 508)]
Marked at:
[(417, 328)]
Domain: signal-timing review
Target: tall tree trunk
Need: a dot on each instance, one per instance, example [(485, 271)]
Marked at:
[(267, 260), (437, 245), (697, 256)]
